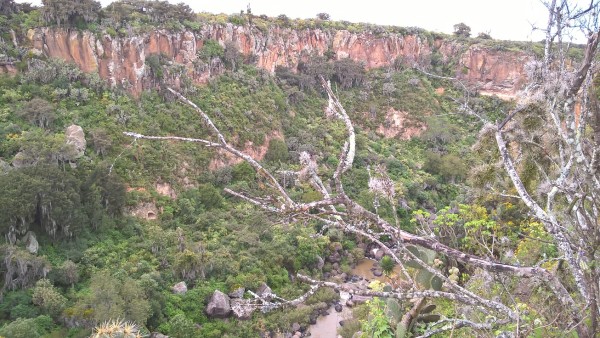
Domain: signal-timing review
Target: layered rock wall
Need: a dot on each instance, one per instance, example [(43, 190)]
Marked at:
[(121, 60)]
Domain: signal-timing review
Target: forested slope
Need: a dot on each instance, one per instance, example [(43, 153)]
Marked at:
[(100, 226)]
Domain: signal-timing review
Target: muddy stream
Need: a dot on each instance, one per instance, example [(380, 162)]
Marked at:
[(326, 326)]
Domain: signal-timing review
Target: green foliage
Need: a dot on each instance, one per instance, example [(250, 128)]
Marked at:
[(27, 328), (211, 241), (462, 30), (111, 298), (70, 12), (140, 12), (387, 265), (39, 112), (66, 274), (277, 151), (211, 49), (43, 197), (17, 304), (377, 326), (181, 327), (449, 166), (48, 298)]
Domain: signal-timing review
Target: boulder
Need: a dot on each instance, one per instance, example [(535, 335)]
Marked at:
[(76, 137), (379, 255), (20, 160), (219, 305), (335, 257), (264, 291), (31, 243), (158, 335), (356, 299), (295, 327), (179, 288), (336, 246), (344, 296), (320, 262), (237, 293), (338, 307), (4, 167), (377, 272)]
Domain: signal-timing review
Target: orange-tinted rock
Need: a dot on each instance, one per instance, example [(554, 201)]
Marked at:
[(121, 60), (496, 72)]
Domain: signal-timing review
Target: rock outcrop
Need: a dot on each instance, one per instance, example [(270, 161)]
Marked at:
[(31, 243), (147, 211), (219, 305), (180, 288), (122, 60), (237, 293), (76, 137), (166, 189), (264, 291)]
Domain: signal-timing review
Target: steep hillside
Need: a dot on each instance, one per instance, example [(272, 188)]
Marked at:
[(100, 226)]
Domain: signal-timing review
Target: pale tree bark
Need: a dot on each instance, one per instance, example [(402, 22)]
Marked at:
[(562, 88)]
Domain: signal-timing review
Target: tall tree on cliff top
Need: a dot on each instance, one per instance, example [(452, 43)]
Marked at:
[(70, 12), (554, 131)]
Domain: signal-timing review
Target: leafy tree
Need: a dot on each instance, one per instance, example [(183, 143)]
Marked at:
[(47, 297), (231, 55), (190, 265), (449, 166), (111, 298), (348, 73), (462, 30), (21, 328), (42, 197), (8, 7), (211, 49), (160, 12), (70, 12), (101, 141), (17, 304), (66, 274), (484, 35), (181, 327), (277, 151), (323, 16), (39, 112)]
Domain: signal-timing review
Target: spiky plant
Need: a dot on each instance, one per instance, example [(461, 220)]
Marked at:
[(117, 328)]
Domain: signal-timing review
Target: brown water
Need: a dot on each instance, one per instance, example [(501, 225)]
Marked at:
[(326, 326), (363, 269)]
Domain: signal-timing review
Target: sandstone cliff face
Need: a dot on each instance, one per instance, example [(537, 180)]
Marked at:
[(498, 73), (121, 60)]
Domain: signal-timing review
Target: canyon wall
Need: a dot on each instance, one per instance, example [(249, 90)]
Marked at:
[(121, 60)]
